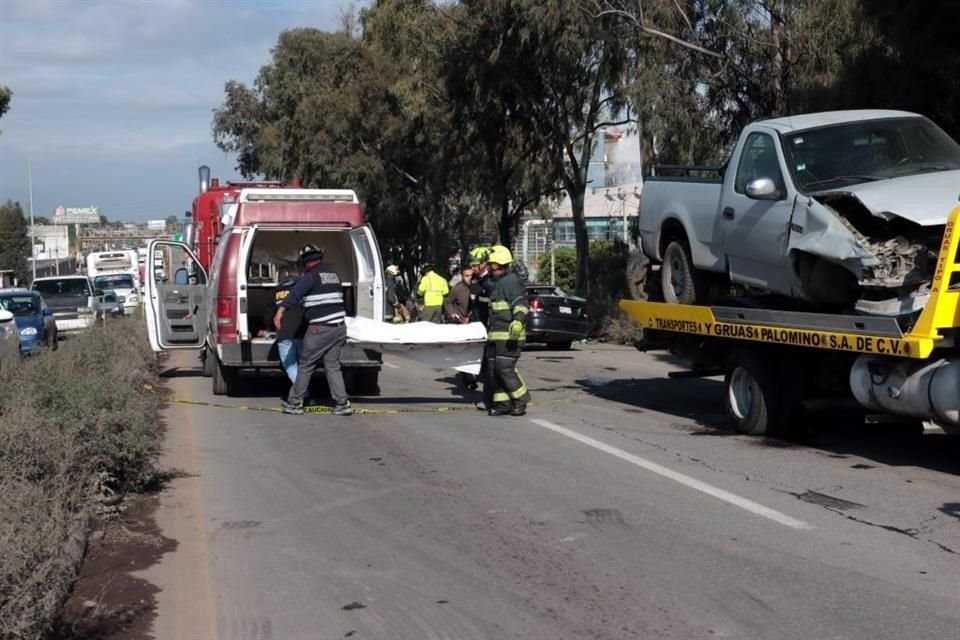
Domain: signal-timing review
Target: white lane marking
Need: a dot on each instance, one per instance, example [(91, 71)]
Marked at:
[(687, 481), (391, 365)]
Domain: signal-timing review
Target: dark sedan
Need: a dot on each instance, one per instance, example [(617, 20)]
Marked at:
[(555, 318)]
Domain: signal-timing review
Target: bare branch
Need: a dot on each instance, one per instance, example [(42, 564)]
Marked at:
[(680, 10), (656, 32)]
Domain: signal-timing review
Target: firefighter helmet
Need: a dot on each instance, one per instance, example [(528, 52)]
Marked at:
[(478, 255), (309, 252), (499, 254)]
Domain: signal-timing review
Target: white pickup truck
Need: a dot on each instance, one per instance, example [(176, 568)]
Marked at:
[(844, 209)]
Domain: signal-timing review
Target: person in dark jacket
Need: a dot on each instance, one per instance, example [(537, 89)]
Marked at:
[(320, 293), (458, 309), (395, 295), (292, 328), (456, 306)]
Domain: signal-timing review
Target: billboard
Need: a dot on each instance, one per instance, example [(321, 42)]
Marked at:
[(76, 215), (157, 225)]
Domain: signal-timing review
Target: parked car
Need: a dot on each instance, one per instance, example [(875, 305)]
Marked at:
[(9, 339), (73, 300), (555, 317), (33, 317)]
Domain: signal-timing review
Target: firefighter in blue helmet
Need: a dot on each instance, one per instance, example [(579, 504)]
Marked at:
[(506, 336)]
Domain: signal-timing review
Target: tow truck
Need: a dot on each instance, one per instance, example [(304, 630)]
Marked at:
[(778, 363)]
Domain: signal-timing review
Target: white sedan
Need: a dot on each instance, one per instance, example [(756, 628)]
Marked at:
[(9, 339)]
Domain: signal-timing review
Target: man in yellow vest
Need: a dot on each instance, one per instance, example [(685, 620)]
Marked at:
[(432, 291)]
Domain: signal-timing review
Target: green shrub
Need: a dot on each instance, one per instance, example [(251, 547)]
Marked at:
[(73, 423), (608, 284)]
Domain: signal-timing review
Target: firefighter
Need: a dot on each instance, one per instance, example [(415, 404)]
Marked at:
[(431, 291), (480, 306), (505, 337), (480, 286), (321, 294)]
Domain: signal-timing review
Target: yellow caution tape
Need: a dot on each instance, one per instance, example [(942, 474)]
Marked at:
[(326, 410)]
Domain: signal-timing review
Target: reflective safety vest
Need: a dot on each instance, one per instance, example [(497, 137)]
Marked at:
[(433, 289), (508, 302)]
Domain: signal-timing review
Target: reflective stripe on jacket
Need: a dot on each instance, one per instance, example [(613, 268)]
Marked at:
[(433, 289), (508, 302), (321, 295)]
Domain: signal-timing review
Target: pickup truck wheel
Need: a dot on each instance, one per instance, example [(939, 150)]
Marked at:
[(679, 282), (752, 395), (224, 378), (638, 275)]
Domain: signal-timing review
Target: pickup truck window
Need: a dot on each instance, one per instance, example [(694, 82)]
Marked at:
[(758, 160), (852, 153)]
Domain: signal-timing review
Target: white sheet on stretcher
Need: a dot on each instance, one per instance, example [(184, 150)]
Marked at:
[(441, 346)]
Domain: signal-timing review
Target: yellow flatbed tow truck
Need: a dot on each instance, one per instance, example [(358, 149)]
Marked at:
[(777, 363)]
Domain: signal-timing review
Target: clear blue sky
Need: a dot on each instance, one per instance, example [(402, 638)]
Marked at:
[(113, 99)]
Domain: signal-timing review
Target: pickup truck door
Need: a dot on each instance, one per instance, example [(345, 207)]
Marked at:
[(176, 305), (369, 273), (755, 232)]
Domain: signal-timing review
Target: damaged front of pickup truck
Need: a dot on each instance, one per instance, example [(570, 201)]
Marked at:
[(869, 215)]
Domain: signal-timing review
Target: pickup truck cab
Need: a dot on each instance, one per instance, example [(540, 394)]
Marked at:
[(841, 208), (76, 305), (225, 312)]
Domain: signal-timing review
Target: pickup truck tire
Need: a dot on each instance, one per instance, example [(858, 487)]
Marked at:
[(224, 378), (753, 394), (680, 283), (639, 269)]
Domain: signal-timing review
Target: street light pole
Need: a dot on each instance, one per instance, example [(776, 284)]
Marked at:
[(33, 237)]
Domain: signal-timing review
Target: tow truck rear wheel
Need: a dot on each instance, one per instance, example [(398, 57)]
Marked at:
[(753, 397)]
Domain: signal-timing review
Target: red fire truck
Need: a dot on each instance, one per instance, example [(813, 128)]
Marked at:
[(211, 207)]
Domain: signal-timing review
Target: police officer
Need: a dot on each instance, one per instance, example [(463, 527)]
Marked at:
[(291, 330), (506, 336), (319, 290)]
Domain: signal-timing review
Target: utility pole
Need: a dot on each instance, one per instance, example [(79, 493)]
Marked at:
[(33, 237)]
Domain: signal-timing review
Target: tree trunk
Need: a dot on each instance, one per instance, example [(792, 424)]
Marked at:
[(506, 223), (779, 80), (577, 197)]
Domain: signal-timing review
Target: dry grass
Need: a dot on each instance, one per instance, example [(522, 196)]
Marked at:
[(73, 424)]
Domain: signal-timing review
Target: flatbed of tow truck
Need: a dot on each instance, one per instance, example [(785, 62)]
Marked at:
[(778, 362)]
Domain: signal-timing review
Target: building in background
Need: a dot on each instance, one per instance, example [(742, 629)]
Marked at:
[(156, 225), (52, 241), (611, 203)]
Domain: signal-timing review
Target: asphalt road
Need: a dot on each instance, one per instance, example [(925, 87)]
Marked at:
[(618, 508)]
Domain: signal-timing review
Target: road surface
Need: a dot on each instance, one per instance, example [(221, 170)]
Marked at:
[(618, 508)]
